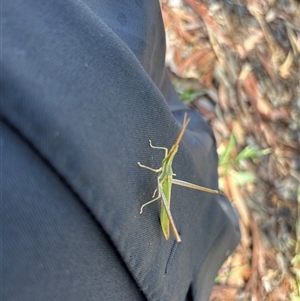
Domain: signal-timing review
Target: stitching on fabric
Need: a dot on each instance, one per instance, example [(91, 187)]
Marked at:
[(172, 255)]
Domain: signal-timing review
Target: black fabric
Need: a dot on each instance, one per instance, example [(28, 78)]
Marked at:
[(80, 100), (53, 249)]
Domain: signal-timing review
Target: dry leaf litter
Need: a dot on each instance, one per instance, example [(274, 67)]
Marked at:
[(237, 62)]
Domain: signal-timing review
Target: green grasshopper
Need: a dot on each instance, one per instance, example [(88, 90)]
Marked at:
[(164, 185)]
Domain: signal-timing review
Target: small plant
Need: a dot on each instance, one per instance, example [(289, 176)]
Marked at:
[(188, 95), (230, 161)]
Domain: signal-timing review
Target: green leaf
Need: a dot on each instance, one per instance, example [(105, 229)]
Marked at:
[(251, 152), (189, 95), (224, 159), (243, 177)]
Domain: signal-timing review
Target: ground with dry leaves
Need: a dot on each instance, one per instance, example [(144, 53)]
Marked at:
[(238, 62)]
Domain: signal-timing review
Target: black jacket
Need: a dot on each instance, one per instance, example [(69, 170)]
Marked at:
[(83, 89)]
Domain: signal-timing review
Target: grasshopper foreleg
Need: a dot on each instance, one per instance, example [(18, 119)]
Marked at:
[(147, 167), (159, 147)]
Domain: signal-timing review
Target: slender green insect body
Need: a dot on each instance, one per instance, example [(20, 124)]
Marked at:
[(164, 185)]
